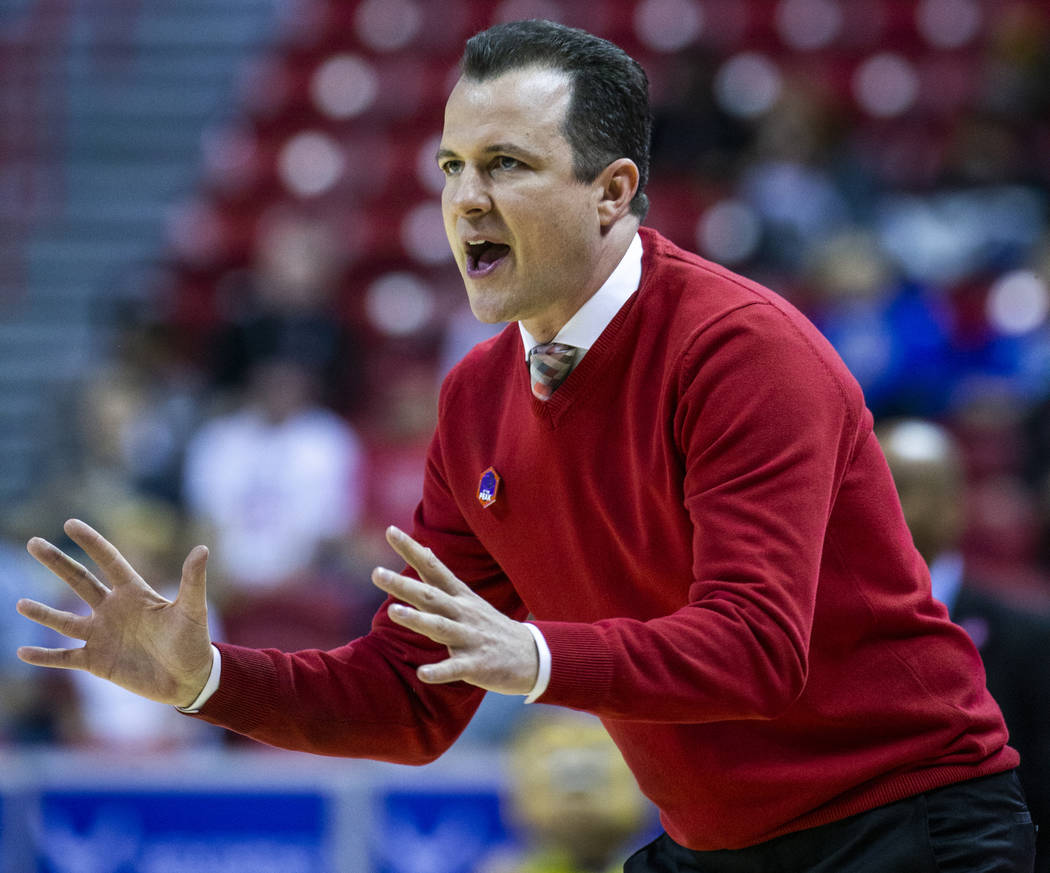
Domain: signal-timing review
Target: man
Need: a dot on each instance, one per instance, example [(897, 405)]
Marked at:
[(927, 468), (698, 519)]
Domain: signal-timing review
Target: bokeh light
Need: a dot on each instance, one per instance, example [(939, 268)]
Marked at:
[(310, 163), (668, 25), (388, 25), (399, 304), (948, 24), (1018, 302), (344, 86), (747, 85), (729, 232), (808, 24), (518, 10), (886, 85)]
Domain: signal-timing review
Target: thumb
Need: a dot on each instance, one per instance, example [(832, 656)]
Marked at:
[(193, 587)]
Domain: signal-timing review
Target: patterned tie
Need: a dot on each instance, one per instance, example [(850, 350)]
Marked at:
[(549, 364)]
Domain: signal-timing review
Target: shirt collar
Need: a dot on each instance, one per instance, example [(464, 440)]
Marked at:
[(594, 316)]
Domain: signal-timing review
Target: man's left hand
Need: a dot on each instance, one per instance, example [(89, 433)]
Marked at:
[(486, 648)]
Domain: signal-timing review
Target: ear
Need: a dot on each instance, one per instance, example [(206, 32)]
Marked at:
[(616, 187)]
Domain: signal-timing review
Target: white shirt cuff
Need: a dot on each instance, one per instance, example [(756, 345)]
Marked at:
[(210, 687), (543, 677)]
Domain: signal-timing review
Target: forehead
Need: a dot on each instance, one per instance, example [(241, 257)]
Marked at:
[(527, 105)]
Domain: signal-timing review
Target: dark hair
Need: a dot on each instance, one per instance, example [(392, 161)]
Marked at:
[(608, 116)]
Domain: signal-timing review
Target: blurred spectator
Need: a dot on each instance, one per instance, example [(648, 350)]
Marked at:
[(278, 479), (1037, 421), (163, 407), (894, 335), (279, 483), (112, 425), (287, 305), (692, 133), (1038, 473), (927, 466), (1016, 81), (573, 801), (789, 182), (1001, 539)]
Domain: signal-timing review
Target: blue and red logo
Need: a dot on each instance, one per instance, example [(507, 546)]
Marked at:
[(488, 487)]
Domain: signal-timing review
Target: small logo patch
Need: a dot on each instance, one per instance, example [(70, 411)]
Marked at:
[(488, 487)]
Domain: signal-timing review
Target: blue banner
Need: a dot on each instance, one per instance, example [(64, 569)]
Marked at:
[(436, 831), (178, 832)]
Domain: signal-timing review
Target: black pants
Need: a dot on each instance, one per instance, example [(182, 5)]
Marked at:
[(978, 826)]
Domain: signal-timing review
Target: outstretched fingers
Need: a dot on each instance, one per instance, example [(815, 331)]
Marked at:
[(66, 623), (424, 562), (83, 582), (422, 595), (101, 551), (486, 648), (66, 659), (193, 588), (453, 669), (440, 629)]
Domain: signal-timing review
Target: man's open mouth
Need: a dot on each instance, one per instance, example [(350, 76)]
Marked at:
[(483, 257)]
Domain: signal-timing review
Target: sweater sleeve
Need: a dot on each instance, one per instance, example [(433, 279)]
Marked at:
[(765, 424), (364, 699)]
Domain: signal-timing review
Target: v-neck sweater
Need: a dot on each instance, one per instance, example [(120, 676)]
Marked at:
[(702, 525)]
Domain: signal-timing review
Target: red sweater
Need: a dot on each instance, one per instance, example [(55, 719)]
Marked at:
[(704, 528)]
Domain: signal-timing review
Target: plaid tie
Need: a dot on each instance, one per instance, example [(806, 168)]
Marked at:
[(549, 364)]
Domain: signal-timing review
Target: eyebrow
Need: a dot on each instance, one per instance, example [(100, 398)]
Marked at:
[(496, 148)]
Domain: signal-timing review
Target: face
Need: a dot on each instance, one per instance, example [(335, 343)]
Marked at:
[(525, 233)]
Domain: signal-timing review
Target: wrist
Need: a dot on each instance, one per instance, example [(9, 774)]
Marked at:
[(543, 664), (206, 686)]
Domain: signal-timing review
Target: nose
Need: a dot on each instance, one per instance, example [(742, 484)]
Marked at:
[(467, 193)]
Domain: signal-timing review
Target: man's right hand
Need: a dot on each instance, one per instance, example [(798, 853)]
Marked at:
[(133, 636)]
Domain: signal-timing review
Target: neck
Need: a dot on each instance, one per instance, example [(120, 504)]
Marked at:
[(615, 242)]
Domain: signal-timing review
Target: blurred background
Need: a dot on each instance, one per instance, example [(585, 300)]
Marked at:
[(227, 302)]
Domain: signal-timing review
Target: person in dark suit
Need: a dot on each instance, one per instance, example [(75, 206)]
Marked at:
[(1013, 641)]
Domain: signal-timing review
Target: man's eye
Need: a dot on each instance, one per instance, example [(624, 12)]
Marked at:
[(506, 163), (451, 168)]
